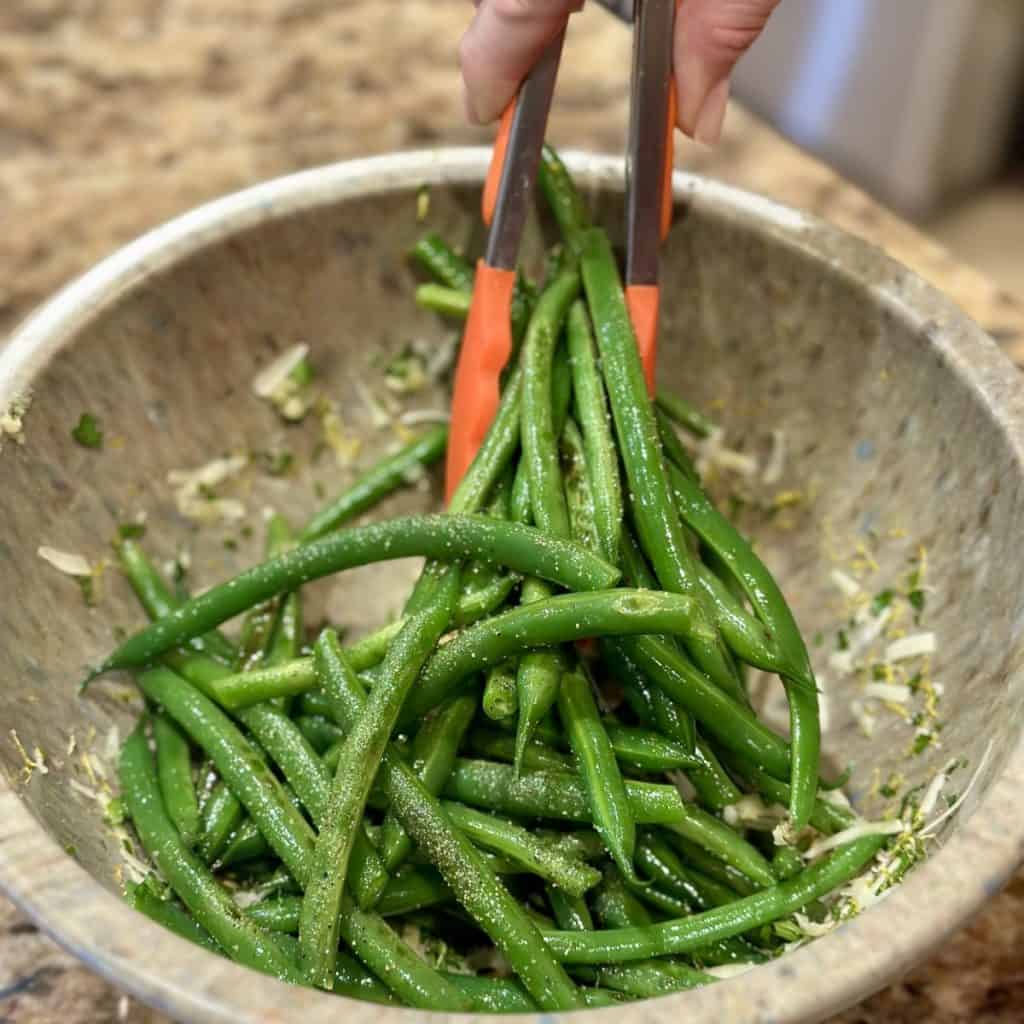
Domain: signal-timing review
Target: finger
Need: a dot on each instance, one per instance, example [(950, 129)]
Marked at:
[(711, 36), (501, 45)]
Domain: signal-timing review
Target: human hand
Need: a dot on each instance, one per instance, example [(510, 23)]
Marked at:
[(506, 38)]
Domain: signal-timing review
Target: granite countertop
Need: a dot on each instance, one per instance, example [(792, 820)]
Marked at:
[(117, 114)]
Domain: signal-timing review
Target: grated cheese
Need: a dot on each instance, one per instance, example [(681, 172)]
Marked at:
[(914, 646), (267, 382), (417, 417), (192, 490), (847, 585), (776, 459), (65, 561), (848, 835), (887, 692)]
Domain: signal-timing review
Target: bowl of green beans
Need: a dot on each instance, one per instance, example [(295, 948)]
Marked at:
[(703, 699)]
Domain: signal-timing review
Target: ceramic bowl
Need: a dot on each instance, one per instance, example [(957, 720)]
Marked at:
[(902, 426)]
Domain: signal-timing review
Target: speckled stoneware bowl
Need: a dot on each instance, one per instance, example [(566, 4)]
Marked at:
[(903, 426)]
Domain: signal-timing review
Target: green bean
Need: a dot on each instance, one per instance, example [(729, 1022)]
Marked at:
[(598, 443), (786, 863), (260, 622), (646, 750), (599, 769), (663, 868), (213, 908), (718, 839), (278, 735), (744, 634), (156, 598), (554, 620), (360, 758), (672, 720), (519, 500), (764, 594), (725, 874), (571, 912), (732, 726), (298, 676), (450, 302), (714, 787), (646, 980), (556, 795), (378, 482), (378, 946), (284, 742), (661, 533), (463, 868), (561, 390), (687, 416), (222, 814), (482, 601), (539, 441), (675, 453), (688, 934), (171, 916), (538, 677), (537, 756), (445, 537), (516, 843), (441, 261), (500, 699), (579, 499), (321, 733), (580, 843), (494, 995), (351, 978), (826, 816), (433, 754), (174, 772), (238, 763), (539, 672), (495, 452), (563, 198), (413, 889)]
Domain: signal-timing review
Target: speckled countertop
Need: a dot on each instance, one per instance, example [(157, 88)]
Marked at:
[(117, 114)]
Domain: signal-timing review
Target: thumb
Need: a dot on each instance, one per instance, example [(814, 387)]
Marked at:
[(711, 36), (500, 47)]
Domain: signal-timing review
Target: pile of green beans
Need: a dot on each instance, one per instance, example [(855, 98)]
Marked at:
[(538, 756)]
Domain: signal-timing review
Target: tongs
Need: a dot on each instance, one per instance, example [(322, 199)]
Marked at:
[(507, 195)]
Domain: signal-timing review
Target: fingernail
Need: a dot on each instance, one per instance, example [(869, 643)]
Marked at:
[(711, 117)]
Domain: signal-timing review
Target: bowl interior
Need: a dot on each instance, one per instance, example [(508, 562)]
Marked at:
[(889, 451)]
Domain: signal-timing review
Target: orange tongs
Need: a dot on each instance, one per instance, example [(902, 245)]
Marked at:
[(487, 341)]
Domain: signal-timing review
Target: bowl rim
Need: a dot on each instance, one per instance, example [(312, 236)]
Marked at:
[(187, 983)]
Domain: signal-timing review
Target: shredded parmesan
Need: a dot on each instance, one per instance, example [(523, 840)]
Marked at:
[(776, 459), (887, 692), (951, 810), (417, 417), (267, 382), (846, 584), (12, 419), (814, 929), (848, 835), (193, 487), (751, 811), (724, 971), (914, 646), (65, 561)]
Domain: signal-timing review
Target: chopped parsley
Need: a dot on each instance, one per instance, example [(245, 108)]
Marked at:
[(842, 641), (88, 432), (131, 531), (881, 601)]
